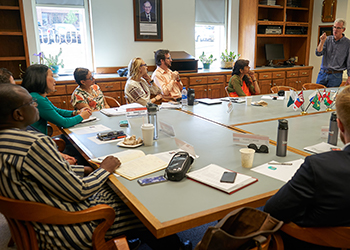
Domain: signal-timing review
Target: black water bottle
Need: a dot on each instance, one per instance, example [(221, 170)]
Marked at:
[(282, 136), (333, 130), (190, 96)]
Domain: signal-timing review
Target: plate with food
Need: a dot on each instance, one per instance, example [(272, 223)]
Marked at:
[(130, 142)]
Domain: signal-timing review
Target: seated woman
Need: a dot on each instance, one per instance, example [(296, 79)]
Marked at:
[(38, 80), (87, 94), (137, 89), (243, 81)]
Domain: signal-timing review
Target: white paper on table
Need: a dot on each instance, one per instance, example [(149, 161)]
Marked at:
[(320, 148), (91, 118), (270, 97), (89, 129), (98, 141), (279, 172)]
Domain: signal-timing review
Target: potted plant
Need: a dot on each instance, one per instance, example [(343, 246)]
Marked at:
[(206, 60), (227, 59), (51, 61)]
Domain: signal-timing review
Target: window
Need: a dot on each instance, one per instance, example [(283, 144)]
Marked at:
[(210, 29), (63, 24)]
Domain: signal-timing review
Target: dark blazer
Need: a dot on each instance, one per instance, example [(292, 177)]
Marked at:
[(145, 19), (318, 194)]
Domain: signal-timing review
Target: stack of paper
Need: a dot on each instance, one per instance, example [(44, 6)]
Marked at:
[(121, 110), (321, 148), (169, 105), (211, 175)]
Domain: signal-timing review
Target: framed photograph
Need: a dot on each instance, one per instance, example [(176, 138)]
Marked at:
[(148, 20), (328, 29)]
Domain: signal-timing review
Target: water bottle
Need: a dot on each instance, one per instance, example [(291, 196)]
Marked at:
[(333, 130), (152, 117), (190, 97), (282, 136), (184, 97)]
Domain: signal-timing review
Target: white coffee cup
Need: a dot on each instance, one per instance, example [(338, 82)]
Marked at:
[(147, 134), (286, 95), (248, 100), (247, 157)]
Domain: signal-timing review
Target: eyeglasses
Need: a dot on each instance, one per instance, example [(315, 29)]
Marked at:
[(33, 102), (91, 78), (144, 65), (338, 28), (261, 149), (168, 58)]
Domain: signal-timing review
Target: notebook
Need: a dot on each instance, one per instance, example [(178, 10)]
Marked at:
[(208, 101)]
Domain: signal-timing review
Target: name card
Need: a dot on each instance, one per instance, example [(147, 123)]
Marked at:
[(166, 128), (186, 147), (246, 139), (136, 112)]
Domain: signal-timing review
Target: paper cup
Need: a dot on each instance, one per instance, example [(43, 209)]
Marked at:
[(147, 134), (248, 100), (247, 157), (286, 95)]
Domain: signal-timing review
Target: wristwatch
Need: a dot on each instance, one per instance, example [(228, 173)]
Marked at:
[(151, 82)]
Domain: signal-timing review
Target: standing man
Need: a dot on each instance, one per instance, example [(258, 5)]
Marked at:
[(335, 51), (318, 193), (167, 80), (146, 14)]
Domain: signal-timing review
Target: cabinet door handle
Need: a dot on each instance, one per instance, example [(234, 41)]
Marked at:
[(64, 102), (198, 80), (293, 74), (110, 86), (304, 73), (205, 89), (274, 84), (209, 89), (271, 84), (265, 76), (299, 81), (216, 79), (278, 74)]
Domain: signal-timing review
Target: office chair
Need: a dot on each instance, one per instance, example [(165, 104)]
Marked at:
[(337, 237), (275, 89), (19, 215), (112, 102), (313, 86)]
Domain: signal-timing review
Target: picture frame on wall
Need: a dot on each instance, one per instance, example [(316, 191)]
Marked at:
[(328, 29), (148, 20)]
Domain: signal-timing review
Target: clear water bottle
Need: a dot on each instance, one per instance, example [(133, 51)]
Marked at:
[(184, 97), (282, 136), (152, 117), (333, 130)]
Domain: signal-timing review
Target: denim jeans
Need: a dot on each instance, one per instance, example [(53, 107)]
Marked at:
[(329, 80)]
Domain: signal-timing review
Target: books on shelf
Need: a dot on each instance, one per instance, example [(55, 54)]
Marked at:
[(211, 175), (134, 163)]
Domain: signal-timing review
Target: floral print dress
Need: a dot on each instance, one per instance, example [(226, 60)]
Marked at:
[(95, 100)]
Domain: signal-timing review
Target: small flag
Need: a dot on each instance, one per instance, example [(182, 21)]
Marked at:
[(299, 101), (316, 103), (292, 98), (327, 99)]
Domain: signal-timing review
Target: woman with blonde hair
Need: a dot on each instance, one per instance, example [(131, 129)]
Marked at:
[(140, 86)]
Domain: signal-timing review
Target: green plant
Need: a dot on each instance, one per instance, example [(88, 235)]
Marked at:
[(50, 61), (228, 57), (204, 59)]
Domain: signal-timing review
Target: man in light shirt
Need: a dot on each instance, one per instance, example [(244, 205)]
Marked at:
[(167, 80)]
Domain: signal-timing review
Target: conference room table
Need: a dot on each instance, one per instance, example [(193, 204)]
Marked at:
[(170, 207)]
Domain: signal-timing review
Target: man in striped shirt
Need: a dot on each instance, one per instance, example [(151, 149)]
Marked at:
[(32, 169)]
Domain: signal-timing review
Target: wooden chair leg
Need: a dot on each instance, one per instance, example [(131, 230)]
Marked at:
[(11, 243), (121, 243)]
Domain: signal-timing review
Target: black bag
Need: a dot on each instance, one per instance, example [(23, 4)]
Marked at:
[(178, 166), (242, 229)]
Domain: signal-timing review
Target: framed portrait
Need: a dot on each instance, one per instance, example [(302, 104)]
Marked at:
[(148, 20), (328, 29)]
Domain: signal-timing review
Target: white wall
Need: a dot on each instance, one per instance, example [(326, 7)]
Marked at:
[(113, 29), (342, 9)]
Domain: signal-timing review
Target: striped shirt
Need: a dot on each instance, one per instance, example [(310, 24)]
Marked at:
[(32, 169)]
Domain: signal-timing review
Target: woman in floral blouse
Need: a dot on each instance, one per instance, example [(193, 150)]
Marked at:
[(87, 94)]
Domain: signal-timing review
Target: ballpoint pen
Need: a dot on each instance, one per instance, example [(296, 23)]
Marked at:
[(280, 163)]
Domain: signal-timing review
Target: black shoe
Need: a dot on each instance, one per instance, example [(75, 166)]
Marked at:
[(186, 245), (134, 243)]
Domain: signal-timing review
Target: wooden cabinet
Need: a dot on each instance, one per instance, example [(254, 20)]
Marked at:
[(293, 77), (275, 24), (208, 86), (13, 39)]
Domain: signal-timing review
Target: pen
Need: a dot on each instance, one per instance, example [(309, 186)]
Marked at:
[(280, 163)]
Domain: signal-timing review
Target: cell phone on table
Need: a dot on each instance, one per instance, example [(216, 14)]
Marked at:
[(152, 180), (228, 177)]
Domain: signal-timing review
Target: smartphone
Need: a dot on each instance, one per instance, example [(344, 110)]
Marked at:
[(151, 180), (228, 177)]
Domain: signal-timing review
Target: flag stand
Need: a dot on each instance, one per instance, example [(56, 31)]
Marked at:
[(303, 113), (329, 109)]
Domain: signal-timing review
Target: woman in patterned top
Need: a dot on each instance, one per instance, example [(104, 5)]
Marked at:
[(139, 86), (87, 94)]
